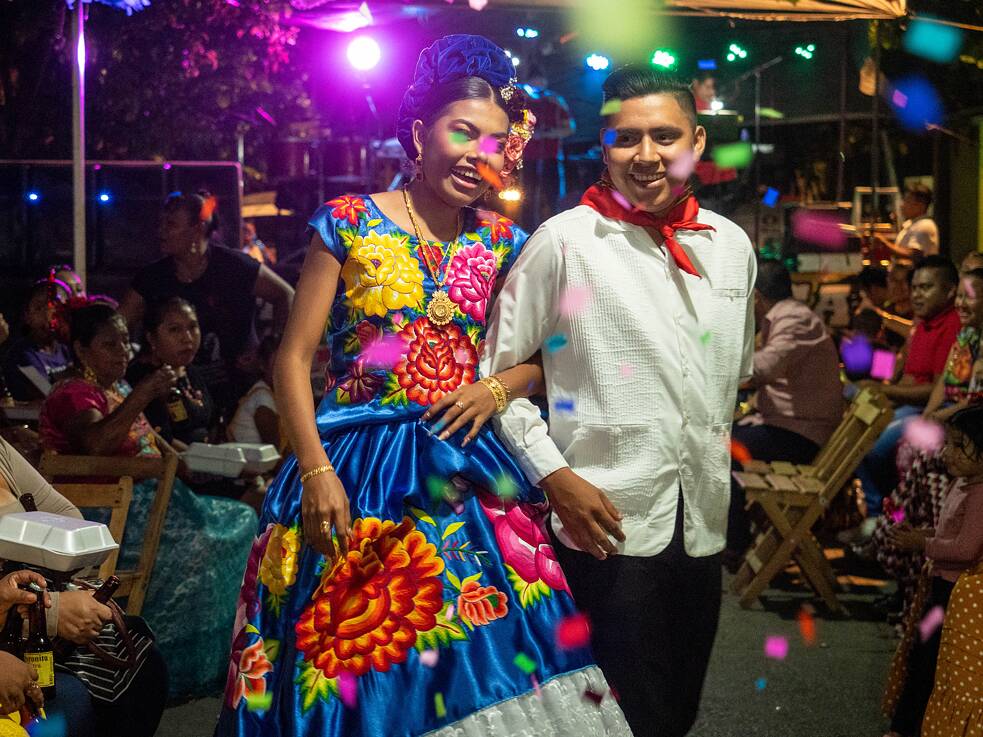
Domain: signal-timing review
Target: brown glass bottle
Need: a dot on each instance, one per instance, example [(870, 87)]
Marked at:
[(175, 401), (38, 650), (105, 592), (27, 501), (10, 640)]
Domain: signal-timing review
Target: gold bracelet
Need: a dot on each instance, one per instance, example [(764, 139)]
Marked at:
[(500, 391), (316, 472)]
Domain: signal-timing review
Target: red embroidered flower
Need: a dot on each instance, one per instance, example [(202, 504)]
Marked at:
[(431, 367), (347, 208), (367, 333), (253, 665), (498, 226), (481, 604), (471, 278), (360, 384), (370, 605)]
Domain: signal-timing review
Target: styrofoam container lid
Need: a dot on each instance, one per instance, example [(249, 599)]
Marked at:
[(256, 452), (56, 533), (222, 452)]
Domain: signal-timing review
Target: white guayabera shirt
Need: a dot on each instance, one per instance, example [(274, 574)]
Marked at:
[(641, 376)]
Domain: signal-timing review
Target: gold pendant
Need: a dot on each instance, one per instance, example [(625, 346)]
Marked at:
[(440, 309)]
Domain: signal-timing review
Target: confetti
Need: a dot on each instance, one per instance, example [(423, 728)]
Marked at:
[(611, 107), (776, 647), (259, 701), (969, 288), (771, 197), (574, 300), (594, 696), (524, 663), (899, 99), (429, 658), (438, 705), (53, 726), (932, 41), (807, 627), (505, 487), (385, 352), (681, 168), (555, 343), (882, 365), (705, 338), (925, 435), (931, 622), (610, 136), (626, 370), (857, 355), (621, 200), (921, 106), (760, 684), (347, 689), (489, 145), (820, 228), (459, 138), (536, 688), (739, 452), (733, 155), (563, 405), (450, 613), (489, 175), (897, 516), (573, 632)]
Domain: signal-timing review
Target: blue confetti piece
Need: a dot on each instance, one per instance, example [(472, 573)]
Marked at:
[(771, 197), (610, 136), (707, 64), (916, 103), (745, 134), (555, 343), (761, 683), (563, 405), (932, 41)]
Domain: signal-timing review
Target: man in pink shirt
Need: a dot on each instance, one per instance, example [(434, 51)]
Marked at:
[(799, 394)]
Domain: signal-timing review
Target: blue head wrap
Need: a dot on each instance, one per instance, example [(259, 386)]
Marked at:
[(445, 60)]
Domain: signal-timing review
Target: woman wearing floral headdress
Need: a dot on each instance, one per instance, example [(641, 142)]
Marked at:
[(402, 582)]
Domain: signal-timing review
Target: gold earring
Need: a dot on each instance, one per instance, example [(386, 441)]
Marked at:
[(88, 374), (419, 166)]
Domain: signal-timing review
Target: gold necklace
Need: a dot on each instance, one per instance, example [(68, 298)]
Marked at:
[(440, 308)]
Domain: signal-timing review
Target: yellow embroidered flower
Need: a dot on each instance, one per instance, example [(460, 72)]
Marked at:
[(381, 275), (278, 570)]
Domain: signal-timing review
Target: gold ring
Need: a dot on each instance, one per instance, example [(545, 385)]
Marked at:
[(459, 403), (326, 527)]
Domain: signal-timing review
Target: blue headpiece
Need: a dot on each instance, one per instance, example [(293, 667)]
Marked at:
[(447, 59)]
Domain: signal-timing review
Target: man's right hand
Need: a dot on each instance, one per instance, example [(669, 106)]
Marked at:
[(588, 516), (16, 678), (80, 616)]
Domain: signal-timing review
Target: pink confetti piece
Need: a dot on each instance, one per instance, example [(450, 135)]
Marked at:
[(265, 115), (573, 632), (621, 199), (347, 689), (899, 99), (462, 357), (384, 352), (897, 516), (536, 688), (925, 435), (931, 622), (882, 365), (575, 300), (969, 288), (682, 167), (822, 229), (489, 145), (450, 613), (477, 4), (776, 647), (429, 658), (626, 370)]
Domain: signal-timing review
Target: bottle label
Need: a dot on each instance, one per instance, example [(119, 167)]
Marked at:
[(175, 408), (44, 663)]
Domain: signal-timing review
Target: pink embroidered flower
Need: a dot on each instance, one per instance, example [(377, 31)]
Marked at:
[(360, 384), (471, 279), (521, 535)]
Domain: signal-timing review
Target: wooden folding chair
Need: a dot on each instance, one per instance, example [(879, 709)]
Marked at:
[(116, 497), (62, 469), (794, 497)]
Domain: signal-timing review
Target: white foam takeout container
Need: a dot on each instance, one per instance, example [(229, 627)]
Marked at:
[(230, 459), (53, 541)]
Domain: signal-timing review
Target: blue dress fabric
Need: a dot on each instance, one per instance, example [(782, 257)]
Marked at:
[(449, 598)]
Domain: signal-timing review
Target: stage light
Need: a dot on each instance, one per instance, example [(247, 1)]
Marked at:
[(736, 52), (716, 105), (806, 52), (516, 61), (527, 33), (33, 197), (663, 58), (598, 62), (105, 197), (364, 53), (511, 194), (707, 64)]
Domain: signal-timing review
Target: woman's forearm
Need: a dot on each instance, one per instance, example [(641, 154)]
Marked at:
[(105, 436), (526, 379), (292, 381)]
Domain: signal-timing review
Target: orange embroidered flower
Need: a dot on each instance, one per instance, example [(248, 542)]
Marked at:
[(253, 665), (370, 606), (962, 363), (347, 208), (437, 361), (481, 604), (498, 226)]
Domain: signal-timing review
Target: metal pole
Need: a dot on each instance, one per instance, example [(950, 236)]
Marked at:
[(875, 163), (78, 142), (841, 155), (757, 157)]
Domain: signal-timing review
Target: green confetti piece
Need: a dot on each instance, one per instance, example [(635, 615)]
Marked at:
[(260, 701), (459, 138), (505, 487), (733, 155), (770, 112), (438, 704), (611, 107), (705, 338), (526, 664)]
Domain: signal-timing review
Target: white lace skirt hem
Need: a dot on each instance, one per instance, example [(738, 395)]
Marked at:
[(560, 709)]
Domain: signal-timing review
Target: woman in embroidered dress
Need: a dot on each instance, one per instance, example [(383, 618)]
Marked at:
[(402, 583)]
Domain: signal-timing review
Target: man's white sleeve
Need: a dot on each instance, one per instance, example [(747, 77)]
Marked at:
[(523, 316), (747, 359)]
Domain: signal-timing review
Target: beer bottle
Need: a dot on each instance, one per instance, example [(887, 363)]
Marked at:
[(38, 650), (175, 401), (10, 640), (27, 501), (105, 592)]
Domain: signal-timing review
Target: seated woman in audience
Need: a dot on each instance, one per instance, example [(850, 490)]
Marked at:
[(186, 413), (37, 353), (205, 541), (953, 547), (919, 495), (256, 419), (77, 617)]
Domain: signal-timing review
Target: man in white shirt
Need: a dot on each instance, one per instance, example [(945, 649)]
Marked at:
[(919, 235), (642, 306)]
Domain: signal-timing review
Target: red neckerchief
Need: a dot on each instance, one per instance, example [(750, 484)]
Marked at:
[(680, 217)]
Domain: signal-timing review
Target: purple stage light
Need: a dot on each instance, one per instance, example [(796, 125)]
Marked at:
[(364, 53)]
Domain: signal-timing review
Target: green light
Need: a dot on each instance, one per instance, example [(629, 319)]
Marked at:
[(731, 57), (811, 47), (736, 52), (805, 53), (663, 58)]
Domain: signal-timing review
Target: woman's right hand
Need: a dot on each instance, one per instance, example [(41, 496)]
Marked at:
[(156, 384), (324, 509)]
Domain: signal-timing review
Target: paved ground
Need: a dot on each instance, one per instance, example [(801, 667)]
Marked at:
[(830, 690)]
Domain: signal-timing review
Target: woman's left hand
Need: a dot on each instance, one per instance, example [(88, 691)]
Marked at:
[(11, 595), (904, 537), (473, 403)]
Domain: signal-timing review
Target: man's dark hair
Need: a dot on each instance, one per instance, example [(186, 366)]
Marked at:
[(872, 276), (921, 193), (636, 80), (773, 281), (702, 75), (947, 270)]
